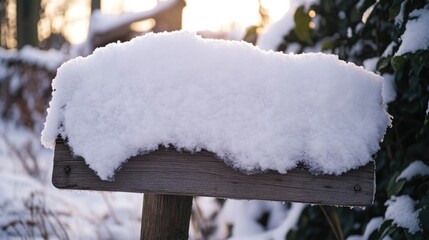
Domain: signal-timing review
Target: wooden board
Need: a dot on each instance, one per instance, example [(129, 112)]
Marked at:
[(167, 171)]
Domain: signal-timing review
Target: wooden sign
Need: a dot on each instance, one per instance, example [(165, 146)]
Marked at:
[(167, 171), (170, 178)]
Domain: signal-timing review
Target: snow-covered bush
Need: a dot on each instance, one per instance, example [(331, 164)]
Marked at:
[(392, 39), (25, 84)]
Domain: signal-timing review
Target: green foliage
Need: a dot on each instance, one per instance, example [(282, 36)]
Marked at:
[(357, 31), (302, 21)]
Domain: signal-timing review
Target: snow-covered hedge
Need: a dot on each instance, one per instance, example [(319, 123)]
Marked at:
[(390, 38)]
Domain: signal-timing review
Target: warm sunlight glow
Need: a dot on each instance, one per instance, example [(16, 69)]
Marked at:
[(143, 26), (78, 15), (276, 8), (198, 15), (220, 15)]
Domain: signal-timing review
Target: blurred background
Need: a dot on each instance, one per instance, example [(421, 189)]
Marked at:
[(37, 36)]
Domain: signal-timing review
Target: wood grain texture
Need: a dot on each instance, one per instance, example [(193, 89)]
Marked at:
[(166, 217), (167, 171)]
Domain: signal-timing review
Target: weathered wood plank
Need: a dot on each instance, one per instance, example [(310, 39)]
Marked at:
[(165, 217), (167, 171)]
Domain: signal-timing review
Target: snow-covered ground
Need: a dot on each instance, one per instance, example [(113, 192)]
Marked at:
[(31, 207)]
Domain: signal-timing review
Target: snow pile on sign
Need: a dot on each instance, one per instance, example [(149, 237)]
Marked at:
[(256, 110)]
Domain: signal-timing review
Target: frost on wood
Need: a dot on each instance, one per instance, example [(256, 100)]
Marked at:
[(256, 110)]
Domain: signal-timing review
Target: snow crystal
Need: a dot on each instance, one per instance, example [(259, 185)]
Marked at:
[(389, 88), (416, 35), (416, 168), (401, 210), (256, 110)]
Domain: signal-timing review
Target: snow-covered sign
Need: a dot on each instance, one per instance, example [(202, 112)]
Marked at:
[(255, 110)]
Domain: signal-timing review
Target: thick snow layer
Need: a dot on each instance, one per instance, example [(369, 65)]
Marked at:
[(401, 210), (416, 168), (256, 110), (416, 35)]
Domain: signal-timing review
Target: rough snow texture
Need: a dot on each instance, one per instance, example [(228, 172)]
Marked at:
[(416, 35), (416, 168), (256, 110), (401, 210)]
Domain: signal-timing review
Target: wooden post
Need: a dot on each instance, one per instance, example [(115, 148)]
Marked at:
[(166, 216)]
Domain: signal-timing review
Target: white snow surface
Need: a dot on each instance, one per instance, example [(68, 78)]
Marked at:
[(416, 168), (401, 210), (416, 35), (256, 110)]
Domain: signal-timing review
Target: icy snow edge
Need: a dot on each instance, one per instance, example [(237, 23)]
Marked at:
[(257, 110)]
